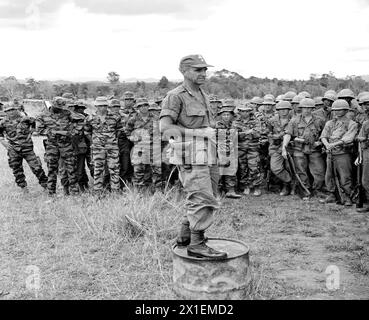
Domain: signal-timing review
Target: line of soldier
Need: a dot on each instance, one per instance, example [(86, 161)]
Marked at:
[(324, 136)]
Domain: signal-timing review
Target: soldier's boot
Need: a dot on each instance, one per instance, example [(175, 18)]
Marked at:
[(232, 194), (66, 191), (347, 201), (285, 190), (199, 249), (363, 209), (247, 191), (257, 192), (184, 236), (330, 199), (293, 190)]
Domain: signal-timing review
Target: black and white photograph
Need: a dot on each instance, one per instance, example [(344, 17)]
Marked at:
[(167, 150)]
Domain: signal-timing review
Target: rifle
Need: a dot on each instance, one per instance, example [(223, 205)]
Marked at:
[(292, 169), (358, 193), (339, 191)]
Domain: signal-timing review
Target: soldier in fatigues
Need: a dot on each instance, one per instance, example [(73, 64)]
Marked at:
[(249, 133), (305, 130), (57, 125), (103, 130), (186, 117), (144, 132), (338, 137), (18, 130), (276, 130), (325, 110), (227, 181), (363, 139)]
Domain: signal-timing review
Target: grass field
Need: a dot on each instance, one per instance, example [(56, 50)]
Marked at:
[(84, 249)]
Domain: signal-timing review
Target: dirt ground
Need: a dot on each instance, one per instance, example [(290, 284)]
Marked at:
[(80, 247)]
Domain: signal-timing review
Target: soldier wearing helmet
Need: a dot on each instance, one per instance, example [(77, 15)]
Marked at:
[(256, 103), (249, 128), (363, 139), (143, 130), (338, 137), (215, 105), (16, 136), (103, 130), (295, 104), (58, 124), (304, 130), (325, 111), (304, 94), (288, 96), (228, 180), (276, 127), (184, 116), (355, 113)]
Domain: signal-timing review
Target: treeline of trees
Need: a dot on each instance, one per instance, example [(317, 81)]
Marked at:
[(223, 83)]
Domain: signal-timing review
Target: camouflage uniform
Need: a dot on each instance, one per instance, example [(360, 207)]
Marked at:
[(19, 135), (58, 146), (364, 135), (146, 153), (276, 129), (104, 137), (307, 155), (249, 152)]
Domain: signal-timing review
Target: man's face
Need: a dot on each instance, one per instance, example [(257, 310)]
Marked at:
[(115, 110), (306, 111), (144, 108), (195, 75), (296, 107), (214, 106), (129, 103), (102, 109), (365, 106), (226, 116), (268, 108), (12, 113), (339, 113), (244, 114), (327, 104), (283, 112), (155, 114)]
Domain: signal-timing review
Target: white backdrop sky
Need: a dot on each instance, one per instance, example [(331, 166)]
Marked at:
[(85, 39)]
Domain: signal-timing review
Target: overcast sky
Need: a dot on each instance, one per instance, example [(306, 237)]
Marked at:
[(85, 39)]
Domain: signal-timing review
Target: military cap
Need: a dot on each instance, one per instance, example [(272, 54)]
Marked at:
[(10, 106), (214, 98), (101, 102), (141, 102), (305, 94), (229, 103), (307, 103), (128, 95), (257, 100), (340, 105), (159, 100), (226, 109), (331, 91), (195, 61), (318, 101), (329, 95), (245, 107), (288, 96), (364, 98), (345, 93), (361, 94), (154, 107), (269, 97), (268, 101), (59, 102), (296, 99), (283, 105), (279, 98), (114, 103)]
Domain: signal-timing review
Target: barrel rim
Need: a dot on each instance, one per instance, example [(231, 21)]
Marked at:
[(175, 245)]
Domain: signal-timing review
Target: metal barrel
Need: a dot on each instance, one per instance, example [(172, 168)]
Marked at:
[(207, 279)]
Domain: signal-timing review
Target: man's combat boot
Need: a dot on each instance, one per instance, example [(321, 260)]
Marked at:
[(199, 249), (285, 190), (184, 236), (232, 194)]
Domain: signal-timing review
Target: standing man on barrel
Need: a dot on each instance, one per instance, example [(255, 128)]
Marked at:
[(187, 119)]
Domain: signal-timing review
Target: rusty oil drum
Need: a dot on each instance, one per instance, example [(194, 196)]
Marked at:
[(207, 279)]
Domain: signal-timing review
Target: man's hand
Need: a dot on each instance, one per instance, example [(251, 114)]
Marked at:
[(284, 152), (358, 161), (317, 144), (135, 138)]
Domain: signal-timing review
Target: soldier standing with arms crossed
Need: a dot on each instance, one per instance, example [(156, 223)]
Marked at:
[(187, 107)]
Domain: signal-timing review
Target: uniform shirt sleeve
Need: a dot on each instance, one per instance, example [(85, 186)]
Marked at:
[(290, 128), (171, 107), (350, 135), (363, 131), (41, 127)]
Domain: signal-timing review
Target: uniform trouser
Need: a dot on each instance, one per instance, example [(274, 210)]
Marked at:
[(55, 151), (365, 172), (315, 164), (278, 167), (249, 168), (144, 174), (15, 160), (111, 157), (343, 169), (227, 183), (126, 169), (200, 182)]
